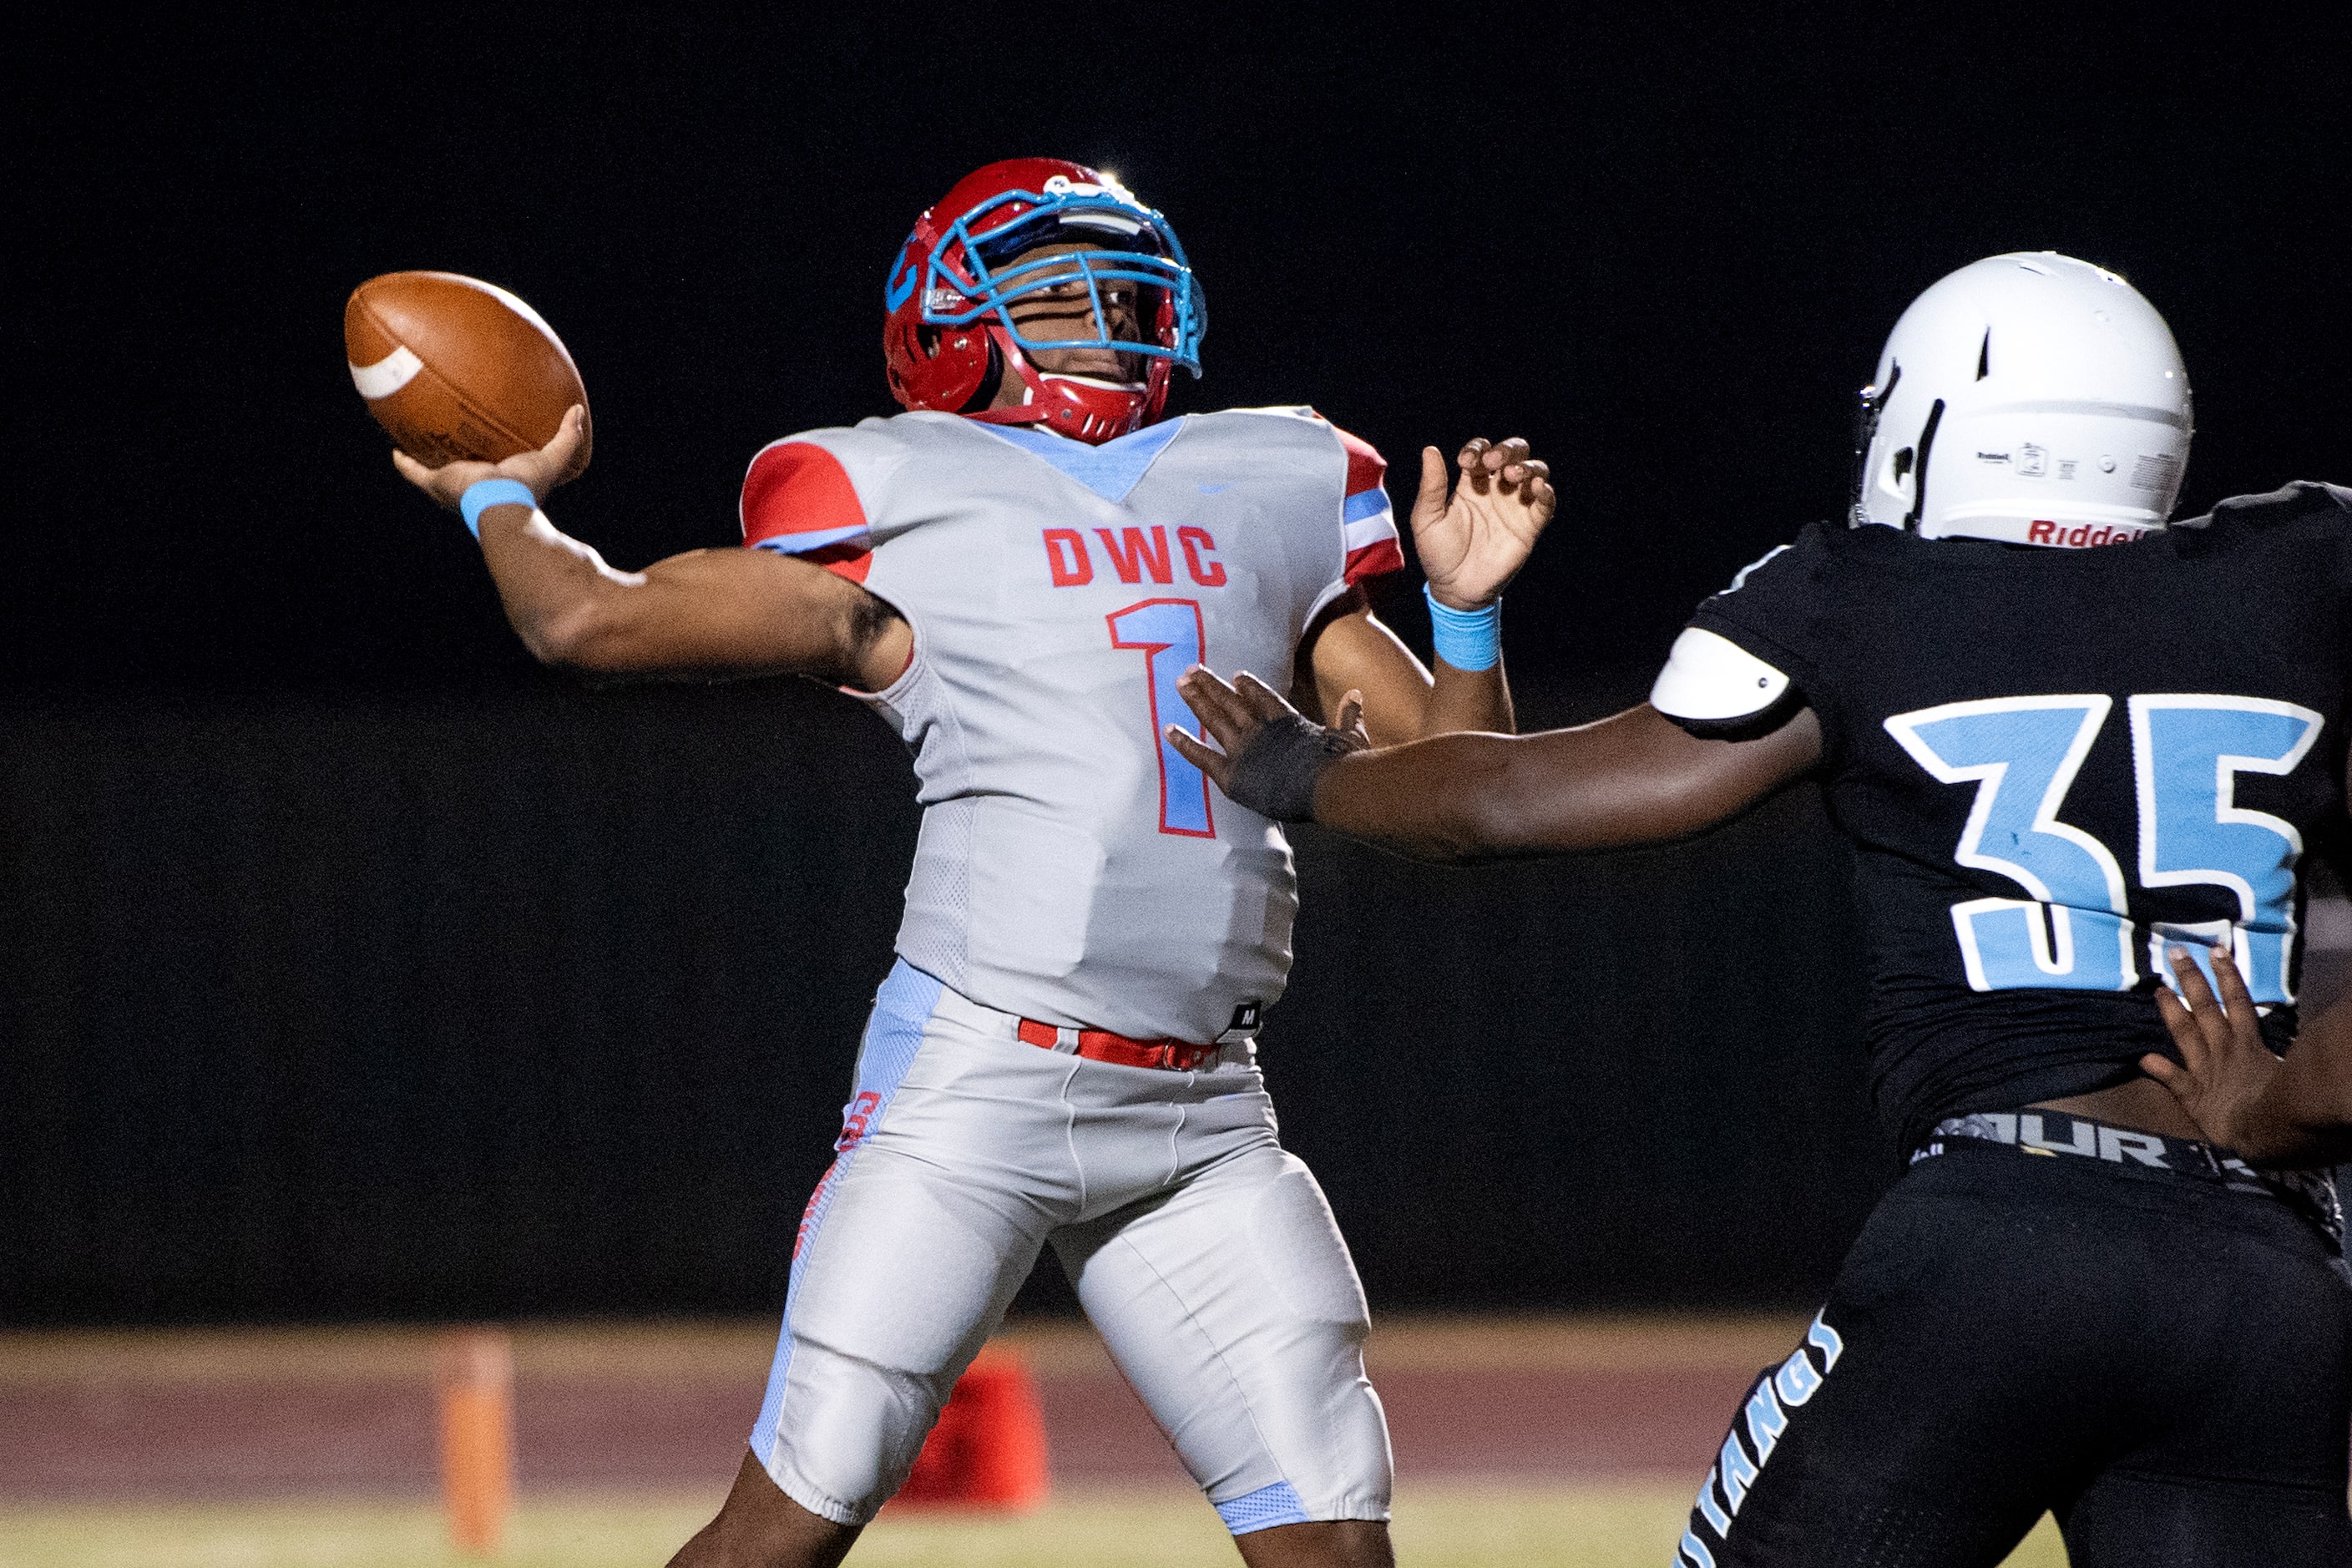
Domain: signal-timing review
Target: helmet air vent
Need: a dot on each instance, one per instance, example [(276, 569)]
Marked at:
[(1926, 447), (1984, 355)]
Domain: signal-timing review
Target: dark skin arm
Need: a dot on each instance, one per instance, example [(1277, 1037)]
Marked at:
[(2292, 1112), (1640, 778), (711, 613), (1634, 778), (704, 615)]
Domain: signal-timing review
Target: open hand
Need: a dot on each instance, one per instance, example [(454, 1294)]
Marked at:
[(1266, 754), (1474, 542), (561, 460), (2225, 1070)]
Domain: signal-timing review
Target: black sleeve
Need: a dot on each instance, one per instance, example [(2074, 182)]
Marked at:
[(1774, 608), (2304, 507), (2341, 497), (1772, 605)]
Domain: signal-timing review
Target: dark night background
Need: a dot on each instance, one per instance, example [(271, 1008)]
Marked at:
[(356, 968)]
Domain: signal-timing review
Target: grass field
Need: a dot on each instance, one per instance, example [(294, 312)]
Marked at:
[(1549, 1442), (1590, 1526)]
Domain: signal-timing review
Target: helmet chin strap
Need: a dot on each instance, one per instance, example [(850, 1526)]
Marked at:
[(1083, 407), (1006, 363), (1094, 382)]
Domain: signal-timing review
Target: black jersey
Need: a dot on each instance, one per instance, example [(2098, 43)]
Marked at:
[(2052, 762)]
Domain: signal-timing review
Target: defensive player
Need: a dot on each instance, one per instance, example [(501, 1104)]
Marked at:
[(1014, 573), (2053, 761)]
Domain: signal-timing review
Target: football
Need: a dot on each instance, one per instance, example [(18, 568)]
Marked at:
[(454, 367)]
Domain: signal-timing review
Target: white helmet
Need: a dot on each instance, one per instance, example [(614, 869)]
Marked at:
[(2030, 398)]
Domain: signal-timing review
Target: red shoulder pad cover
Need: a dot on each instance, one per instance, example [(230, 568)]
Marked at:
[(1366, 522), (798, 501)]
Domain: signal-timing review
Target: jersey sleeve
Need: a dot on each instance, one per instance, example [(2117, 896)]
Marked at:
[(799, 498), (2304, 506), (1367, 526), (1743, 666)]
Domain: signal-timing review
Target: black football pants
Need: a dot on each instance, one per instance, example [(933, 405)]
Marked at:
[(2163, 1362)]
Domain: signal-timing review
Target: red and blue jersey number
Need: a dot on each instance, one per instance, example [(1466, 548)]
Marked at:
[(1169, 634)]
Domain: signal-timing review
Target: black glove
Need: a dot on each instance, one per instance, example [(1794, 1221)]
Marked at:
[(1274, 774)]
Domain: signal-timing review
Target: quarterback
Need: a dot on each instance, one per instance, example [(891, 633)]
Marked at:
[(2067, 741), (1013, 574)]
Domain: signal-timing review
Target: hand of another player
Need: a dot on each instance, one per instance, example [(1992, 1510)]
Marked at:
[(560, 461), (1249, 711), (2225, 1070), (1474, 542)]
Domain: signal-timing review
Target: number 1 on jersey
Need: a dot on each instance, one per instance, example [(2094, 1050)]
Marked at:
[(1168, 633)]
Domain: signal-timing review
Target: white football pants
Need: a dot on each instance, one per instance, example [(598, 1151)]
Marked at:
[(1204, 1255)]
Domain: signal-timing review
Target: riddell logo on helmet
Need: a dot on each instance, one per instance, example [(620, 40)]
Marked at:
[(2081, 536)]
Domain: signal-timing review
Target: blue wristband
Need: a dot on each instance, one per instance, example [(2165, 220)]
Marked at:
[(484, 494), (1469, 640)]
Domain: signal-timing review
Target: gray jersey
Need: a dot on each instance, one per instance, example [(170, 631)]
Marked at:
[(1072, 868)]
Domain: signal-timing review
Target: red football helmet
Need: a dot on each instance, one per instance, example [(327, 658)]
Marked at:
[(949, 337)]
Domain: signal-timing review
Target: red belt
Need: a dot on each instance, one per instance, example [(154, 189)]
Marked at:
[(1102, 1046)]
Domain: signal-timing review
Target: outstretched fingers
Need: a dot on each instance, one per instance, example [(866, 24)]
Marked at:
[(1222, 710), (2236, 1001), (1226, 718), (1264, 700), (2188, 998), (2183, 1077), (1208, 759), (1231, 716), (2195, 1018), (2225, 1068), (2174, 1077), (2215, 1022)]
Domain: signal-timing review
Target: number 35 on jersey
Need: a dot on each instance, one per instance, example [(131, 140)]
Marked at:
[(2074, 928)]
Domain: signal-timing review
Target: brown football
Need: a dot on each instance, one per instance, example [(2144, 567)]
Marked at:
[(454, 367)]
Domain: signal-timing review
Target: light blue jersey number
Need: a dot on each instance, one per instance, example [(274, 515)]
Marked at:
[(2187, 753), (2023, 753), (2073, 931), (1170, 634)]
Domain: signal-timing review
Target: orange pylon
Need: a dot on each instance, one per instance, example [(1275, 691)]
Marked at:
[(989, 1449), (474, 1377)]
